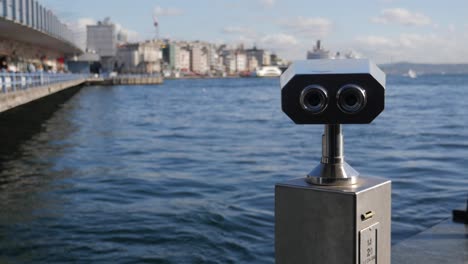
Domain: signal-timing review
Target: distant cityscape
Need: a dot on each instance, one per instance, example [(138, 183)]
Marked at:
[(109, 51)]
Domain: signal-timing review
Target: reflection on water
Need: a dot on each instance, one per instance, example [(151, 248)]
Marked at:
[(185, 172)]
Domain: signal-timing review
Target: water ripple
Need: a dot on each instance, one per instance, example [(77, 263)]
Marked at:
[(130, 175)]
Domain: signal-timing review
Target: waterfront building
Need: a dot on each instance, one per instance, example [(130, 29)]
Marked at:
[(168, 55), (221, 51), (142, 57), (33, 37), (102, 40), (199, 58), (214, 59), (210, 59), (253, 64), (275, 60), (231, 64), (229, 61), (262, 56), (176, 56), (266, 58), (182, 57), (241, 61)]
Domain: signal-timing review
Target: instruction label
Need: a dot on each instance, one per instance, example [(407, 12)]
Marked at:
[(368, 245)]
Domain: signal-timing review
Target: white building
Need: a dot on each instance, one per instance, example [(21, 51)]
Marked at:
[(143, 57), (253, 64), (266, 58), (262, 56), (241, 61), (181, 57), (215, 60), (199, 58), (102, 38), (229, 61)]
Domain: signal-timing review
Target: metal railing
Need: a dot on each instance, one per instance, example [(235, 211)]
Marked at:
[(132, 75), (12, 82)]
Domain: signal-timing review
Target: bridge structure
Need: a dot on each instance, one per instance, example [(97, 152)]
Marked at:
[(34, 46), (32, 34)]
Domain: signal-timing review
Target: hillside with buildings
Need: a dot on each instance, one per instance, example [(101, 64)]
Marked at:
[(107, 50)]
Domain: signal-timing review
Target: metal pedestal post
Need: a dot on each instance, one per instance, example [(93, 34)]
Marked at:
[(333, 169), (333, 216)]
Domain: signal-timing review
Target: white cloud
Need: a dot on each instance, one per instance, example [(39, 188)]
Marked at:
[(401, 16), (160, 11), (452, 28), (287, 46), (445, 47), (291, 43), (312, 27), (377, 41), (267, 3), (238, 30), (78, 28), (278, 41), (132, 35)]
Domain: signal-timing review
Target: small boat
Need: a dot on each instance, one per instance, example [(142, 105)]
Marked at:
[(268, 71), (412, 74), (166, 74)]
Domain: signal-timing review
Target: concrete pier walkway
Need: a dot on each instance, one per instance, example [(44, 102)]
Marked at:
[(139, 79), (19, 97), (446, 242), (19, 89)]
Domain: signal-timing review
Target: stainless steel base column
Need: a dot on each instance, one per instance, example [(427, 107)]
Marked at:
[(333, 224)]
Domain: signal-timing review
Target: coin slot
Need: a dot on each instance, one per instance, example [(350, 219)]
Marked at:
[(367, 215)]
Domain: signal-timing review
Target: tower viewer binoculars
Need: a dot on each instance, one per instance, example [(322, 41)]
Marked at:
[(347, 91)]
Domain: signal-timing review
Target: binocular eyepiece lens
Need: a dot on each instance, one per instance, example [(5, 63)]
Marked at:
[(351, 99), (314, 99)]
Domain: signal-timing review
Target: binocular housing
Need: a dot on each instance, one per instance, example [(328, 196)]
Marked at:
[(348, 91)]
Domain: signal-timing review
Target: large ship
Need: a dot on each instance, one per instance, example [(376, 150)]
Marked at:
[(318, 53)]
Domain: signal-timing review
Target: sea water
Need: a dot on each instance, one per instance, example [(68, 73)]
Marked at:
[(184, 172)]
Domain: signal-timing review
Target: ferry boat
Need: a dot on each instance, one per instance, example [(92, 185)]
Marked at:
[(268, 71)]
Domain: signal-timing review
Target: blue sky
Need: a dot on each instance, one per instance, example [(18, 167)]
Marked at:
[(384, 30)]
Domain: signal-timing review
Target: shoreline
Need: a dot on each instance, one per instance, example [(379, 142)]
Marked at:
[(216, 77)]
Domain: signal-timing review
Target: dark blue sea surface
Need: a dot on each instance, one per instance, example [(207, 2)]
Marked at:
[(184, 172)]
